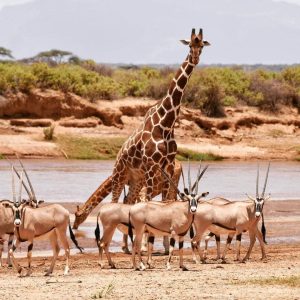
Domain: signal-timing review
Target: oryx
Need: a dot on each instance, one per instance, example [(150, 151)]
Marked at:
[(172, 219), (33, 222), (6, 228), (234, 218)]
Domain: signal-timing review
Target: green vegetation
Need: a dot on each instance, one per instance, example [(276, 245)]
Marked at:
[(1, 156), (78, 147), (105, 291), (291, 281), (209, 89), (49, 133), (185, 154)]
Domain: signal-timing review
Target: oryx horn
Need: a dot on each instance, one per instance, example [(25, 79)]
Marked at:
[(189, 178), (13, 185), (20, 190), (257, 181), (29, 182), (171, 181), (266, 180), (17, 173), (183, 179), (200, 176)]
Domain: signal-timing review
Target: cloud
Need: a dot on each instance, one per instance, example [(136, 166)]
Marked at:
[(12, 2)]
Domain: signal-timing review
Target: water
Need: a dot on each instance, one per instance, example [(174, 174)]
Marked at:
[(75, 180)]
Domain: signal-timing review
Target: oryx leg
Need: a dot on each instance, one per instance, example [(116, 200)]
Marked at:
[(55, 249), (15, 245), (166, 244), (137, 248), (150, 250), (262, 244), (104, 243), (145, 242), (172, 245), (252, 235), (9, 245), (207, 238), (228, 242), (196, 241), (1, 250), (238, 246), (194, 248), (29, 257), (64, 241), (218, 247), (181, 265)]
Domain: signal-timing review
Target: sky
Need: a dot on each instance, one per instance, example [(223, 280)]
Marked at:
[(147, 31)]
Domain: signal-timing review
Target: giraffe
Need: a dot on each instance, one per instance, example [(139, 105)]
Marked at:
[(152, 145)]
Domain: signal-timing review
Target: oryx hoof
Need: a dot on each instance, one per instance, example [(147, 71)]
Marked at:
[(112, 266), (203, 261), (184, 268), (125, 250), (167, 252), (28, 273), (20, 269), (224, 261), (168, 267), (150, 266), (142, 267), (48, 273)]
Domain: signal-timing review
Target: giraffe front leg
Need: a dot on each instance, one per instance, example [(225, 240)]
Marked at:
[(168, 190)]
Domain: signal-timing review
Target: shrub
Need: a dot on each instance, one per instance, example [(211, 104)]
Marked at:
[(49, 133)]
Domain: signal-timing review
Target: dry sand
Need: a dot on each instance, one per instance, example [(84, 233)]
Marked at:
[(253, 280)]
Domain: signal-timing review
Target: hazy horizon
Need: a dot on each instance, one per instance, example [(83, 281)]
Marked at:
[(148, 32)]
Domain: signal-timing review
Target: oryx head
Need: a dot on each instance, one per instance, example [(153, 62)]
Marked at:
[(259, 200), (190, 194), (196, 45)]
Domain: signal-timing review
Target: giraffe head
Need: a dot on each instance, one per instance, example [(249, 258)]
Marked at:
[(80, 217), (196, 45)]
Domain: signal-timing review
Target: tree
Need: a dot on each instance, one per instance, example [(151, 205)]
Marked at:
[(5, 52), (52, 56)]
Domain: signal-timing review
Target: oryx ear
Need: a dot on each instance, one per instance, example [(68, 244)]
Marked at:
[(6, 205), (206, 43), (40, 202), (182, 197), (185, 42), (24, 201), (203, 195), (268, 197)]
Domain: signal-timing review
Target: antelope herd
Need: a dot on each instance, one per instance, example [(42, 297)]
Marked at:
[(25, 220)]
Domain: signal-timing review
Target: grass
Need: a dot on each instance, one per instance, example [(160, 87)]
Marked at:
[(298, 152), (49, 133), (105, 291), (290, 281), (276, 133), (78, 147), (1, 156), (185, 154)]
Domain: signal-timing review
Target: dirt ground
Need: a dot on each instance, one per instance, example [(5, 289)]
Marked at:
[(276, 278)]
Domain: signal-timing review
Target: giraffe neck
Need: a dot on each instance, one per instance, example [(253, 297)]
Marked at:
[(169, 107), (102, 191)]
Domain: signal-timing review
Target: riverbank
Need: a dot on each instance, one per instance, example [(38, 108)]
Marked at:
[(244, 134)]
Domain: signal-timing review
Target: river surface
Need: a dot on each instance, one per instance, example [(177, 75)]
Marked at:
[(75, 180)]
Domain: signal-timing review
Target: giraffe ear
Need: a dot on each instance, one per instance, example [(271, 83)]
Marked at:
[(206, 43), (185, 42)]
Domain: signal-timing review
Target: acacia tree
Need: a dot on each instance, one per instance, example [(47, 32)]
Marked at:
[(5, 52), (53, 56)]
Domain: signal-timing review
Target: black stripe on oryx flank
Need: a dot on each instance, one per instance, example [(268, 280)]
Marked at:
[(223, 226), (125, 224), (157, 229), (172, 242), (217, 238), (180, 245), (151, 239), (211, 234), (30, 247), (239, 237)]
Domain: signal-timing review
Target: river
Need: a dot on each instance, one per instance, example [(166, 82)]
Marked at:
[(75, 180)]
